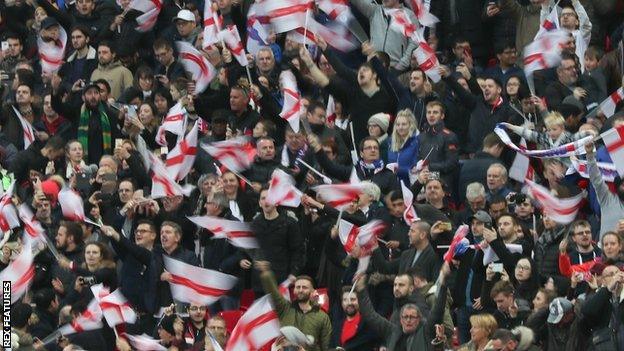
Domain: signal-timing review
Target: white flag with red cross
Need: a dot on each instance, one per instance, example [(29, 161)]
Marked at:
[(282, 190), (181, 158), (201, 70), (258, 326), (20, 272), (237, 233)]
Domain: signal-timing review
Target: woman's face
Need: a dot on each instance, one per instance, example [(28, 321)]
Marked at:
[(513, 85), (478, 334), (75, 152), (93, 255), (374, 130), (539, 301), (146, 115), (230, 183), (40, 14), (610, 246), (161, 104), (401, 125), (523, 270), (146, 83)]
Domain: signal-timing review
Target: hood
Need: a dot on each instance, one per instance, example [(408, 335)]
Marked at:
[(111, 66)]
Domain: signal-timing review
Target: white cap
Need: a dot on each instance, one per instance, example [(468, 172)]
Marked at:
[(185, 15)]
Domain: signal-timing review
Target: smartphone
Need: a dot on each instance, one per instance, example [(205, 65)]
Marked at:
[(118, 143), (83, 183), (448, 226), (132, 112), (497, 267), (5, 45)]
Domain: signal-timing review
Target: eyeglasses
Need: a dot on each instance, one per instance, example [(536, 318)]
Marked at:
[(524, 268), (197, 308)]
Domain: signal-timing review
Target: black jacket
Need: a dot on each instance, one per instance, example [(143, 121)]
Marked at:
[(428, 261), (261, 170), (443, 145), (475, 170), (135, 271), (365, 339)]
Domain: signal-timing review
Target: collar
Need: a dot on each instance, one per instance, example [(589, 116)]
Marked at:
[(497, 104)]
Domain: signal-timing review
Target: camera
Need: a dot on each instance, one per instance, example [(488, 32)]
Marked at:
[(87, 281), (518, 198)]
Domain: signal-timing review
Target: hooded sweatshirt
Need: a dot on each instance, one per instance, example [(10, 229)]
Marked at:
[(118, 76)]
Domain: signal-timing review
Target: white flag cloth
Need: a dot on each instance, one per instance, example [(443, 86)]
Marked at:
[(116, 308), (607, 170), (27, 128), (337, 10), (256, 327), (173, 122), (614, 142), (145, 342), (163, 185), (33, 231), (409, 215), (90, 319), (559, 210), (20, 273), (51, 53), (71, 205), (521, 167), (193, 284), (340, 196), (364, 236), (544, 52), (8, 214), (237, 233), (292, 108), (422, 13), (232, 40), (609, 105), (335, 34), (550, 24), (258, 27), (181, 158), (236, 154), (282, 190), (194, 62), (490, 256), (212, 25), (151, 10), (286, 15)]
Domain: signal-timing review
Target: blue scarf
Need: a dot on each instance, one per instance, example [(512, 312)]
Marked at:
[(374, 167)]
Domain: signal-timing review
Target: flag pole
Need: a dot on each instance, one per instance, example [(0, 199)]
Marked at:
[(324, 177), (241, 177), (354, 157), (305, 28)]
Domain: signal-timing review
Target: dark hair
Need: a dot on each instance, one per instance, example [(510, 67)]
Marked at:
[(43, 298), (13, 35), (384, 58), (55, 143), (104, 83), (109, 45), (25, 77), (20, 313), (368, 138), (502, 287), (74, 230), (492, 139), (162, 43), (417, 272), (83, 29), (395, 195), (143, 72), (496, 199), (500, 47), (148, 222), (495, 79), (513, 217), (305, 277), (503, 335), (314, 104), (269, 126)]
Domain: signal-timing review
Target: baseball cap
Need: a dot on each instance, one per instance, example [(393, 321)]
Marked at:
[(49, 22), (89, 85), (185, 15), (558, 308), (482, 217)]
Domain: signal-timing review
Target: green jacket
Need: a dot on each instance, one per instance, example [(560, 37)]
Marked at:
[(429, 292), (315, 322)]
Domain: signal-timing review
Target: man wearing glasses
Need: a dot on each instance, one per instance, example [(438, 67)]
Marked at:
[(584, 249), (195, 324)]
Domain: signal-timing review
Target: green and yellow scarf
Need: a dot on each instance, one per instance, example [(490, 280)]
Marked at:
[(83, 130)]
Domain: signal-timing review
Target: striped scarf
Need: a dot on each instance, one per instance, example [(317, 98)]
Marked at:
[(83, 130)]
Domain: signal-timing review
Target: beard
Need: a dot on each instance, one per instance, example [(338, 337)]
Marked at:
[(302, 298), (350, 311)]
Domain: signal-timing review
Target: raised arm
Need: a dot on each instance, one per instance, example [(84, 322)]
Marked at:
[(585, 25)]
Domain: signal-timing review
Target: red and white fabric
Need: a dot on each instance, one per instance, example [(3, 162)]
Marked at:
[(409, 215), (365, 236), (51, 53), (212, 25), (400, 22), (322, 299), (284, 289), (90, 319), (331, 109), (116, 309), (163, 185), (201, 70), (286, 15), (145, 342), (282, 190), (425, 17), (562, 211), (27, 128), (550, 24), (609, 105), (258, 326), (335, 34), (292, 108), (181, 158), (193, 284), (20, 272), (340, 196), (428, 61), (336, 10), (33, 230), (151, 9), (8, 214), (237, 233), (607, 170), (460, 234), (521, 168), (232, 40), (71, 205), (173, 123), (258, 28), (614, 142), (544, 52), (236, 154)]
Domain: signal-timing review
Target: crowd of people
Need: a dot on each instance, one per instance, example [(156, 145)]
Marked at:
[(416, 137)]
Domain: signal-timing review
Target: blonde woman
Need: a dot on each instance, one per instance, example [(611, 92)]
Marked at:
[(482, 327), (404, 144)]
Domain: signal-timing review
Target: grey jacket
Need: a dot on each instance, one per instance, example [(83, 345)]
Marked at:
[(397, 46), (611, 208)]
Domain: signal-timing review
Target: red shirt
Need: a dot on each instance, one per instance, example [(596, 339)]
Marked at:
[(349, 328)]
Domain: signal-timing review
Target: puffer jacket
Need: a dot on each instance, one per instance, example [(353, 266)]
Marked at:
[(547, 251)]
